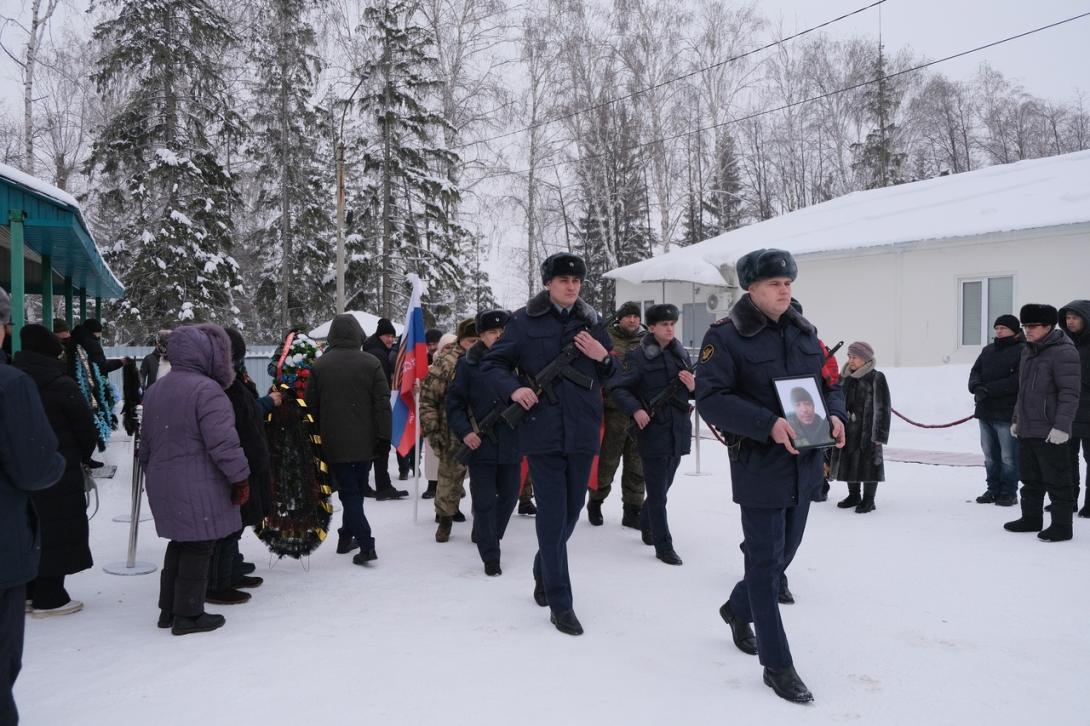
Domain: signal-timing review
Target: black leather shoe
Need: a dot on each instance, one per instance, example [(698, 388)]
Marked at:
[(492, 569), (787, 684), (566, 622), (364, 557), (458, 516), (631, 516), (648, 539), (594, 513), (387, 493), (986, 498), (200, 624), (539, 592), (346, 544), (1007, 500), (527, 509), (742, 633), (368, 492), (786, 598), (249, 581), (669, 557)]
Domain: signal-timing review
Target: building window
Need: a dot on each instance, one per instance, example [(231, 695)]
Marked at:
[(983, 299)]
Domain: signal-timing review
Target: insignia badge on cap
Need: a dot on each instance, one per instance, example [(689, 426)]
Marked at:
[(706, 353)]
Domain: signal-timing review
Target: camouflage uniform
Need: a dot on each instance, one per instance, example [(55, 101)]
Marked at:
[(433, 422), (617, 443)]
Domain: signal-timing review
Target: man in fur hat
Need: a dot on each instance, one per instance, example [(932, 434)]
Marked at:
[(560, 432), (762, 339)]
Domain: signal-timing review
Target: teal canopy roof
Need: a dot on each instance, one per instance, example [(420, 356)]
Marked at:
[(53, 225)]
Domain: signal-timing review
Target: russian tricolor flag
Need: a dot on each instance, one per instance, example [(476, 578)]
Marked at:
[(412, 366)]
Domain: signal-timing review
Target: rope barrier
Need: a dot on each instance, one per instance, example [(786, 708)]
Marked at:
[(931, 426)]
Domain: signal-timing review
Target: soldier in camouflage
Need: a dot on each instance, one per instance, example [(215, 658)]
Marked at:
[(433, 421), (617, 444)]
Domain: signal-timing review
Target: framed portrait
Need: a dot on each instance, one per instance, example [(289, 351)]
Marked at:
[(804, 408)]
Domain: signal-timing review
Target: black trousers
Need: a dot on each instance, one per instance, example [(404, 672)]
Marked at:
[(381, 465), (47, 593), (1076, 444), (658, 476), (12, 620), (495, 489), (772, 536), (184, 580), (1045, 467), (225, 565)]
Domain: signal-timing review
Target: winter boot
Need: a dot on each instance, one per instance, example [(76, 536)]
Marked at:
[(248, 568), (853, 499), (492, 568), (631, 516), (442, 533), (166, 619), (1031, 519), (200, 624), (429, 493), (364, 556), (867, 505), (1060, 529), (539, 592), (249, 581), (987, 497), (230, 596), (594, 513), (647, 537), (1085, 511), (346, 543), (823, 494), (527, 509), (458, 516), (1006, 500), (368, 491)]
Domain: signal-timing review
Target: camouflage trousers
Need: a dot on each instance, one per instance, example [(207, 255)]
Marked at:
[(618, 445), (451, 487)]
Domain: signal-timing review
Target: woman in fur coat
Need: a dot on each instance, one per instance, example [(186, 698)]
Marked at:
[(866, 397)]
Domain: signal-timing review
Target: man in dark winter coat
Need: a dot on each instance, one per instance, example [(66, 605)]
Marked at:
[(1048, 399), (89, 336), (617, 443), (560, 433), (349, 396), (1075, 320), (763, 339), (659, 362), (29, 462), (993, 381), (381, 345), (62, 508), (494, 455), (155, 363)]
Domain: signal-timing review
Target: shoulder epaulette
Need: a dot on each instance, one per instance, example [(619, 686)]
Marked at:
[(721, 321)]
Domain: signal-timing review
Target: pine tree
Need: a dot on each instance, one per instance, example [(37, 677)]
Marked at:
[(723, 201), (877, 163), (409, 161), (292, 245), (166, 199)]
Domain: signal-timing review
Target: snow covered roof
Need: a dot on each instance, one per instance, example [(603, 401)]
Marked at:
[(1032, 194), (367, 321), (37, 186)]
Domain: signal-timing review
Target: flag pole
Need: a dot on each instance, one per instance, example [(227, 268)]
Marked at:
[(416, 453)]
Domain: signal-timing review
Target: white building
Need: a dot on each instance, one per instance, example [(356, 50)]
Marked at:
[(919, 270)]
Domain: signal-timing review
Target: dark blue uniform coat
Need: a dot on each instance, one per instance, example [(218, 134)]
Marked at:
[(646, 371), (740, 357), (471, 393)]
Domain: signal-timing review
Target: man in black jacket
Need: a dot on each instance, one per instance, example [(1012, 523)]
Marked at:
[(349, 396), (28, 462), (993, 381), (381, 345), (1048, 398), (155, 363), (1075, 320)]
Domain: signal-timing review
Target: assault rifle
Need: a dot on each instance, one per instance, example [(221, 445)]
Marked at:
[(559, 367), (667, 395), (486, 429)]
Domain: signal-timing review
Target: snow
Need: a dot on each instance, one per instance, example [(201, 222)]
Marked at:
[(367, 321), (1038, 193), (38, 186), (925, 611), (180, 218)]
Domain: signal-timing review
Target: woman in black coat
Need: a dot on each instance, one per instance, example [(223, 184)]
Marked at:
[(866, 398), (62, 508)]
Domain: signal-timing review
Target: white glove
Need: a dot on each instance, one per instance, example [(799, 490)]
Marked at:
[(1055, 436), (1014, 430)]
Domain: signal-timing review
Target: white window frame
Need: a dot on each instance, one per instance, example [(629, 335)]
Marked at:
[(985, 321)]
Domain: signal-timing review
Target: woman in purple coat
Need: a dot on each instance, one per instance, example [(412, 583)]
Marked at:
[(197, 475)]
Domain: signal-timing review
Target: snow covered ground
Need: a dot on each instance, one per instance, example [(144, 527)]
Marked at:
[(925, 611)]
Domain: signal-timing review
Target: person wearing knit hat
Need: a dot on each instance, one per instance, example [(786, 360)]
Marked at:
[(431, 341), (450, 482), (1075, 321), (619, 447), (1049, 383), (866, 398), (380, 344), (38, 339), (993, 381), (61, 329)]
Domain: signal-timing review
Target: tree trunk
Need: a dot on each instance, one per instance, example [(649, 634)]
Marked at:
[(285, 173)]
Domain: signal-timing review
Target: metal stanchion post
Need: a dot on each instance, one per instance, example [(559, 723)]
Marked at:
[(130, 566), (696, 449)]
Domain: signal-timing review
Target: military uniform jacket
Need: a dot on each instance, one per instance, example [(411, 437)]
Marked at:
[(469, 400), (739, 358), (646, 371), (433, 392), (623, 343), (531, 340)]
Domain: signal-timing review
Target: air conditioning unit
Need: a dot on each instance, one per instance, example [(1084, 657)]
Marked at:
[(719, 302)]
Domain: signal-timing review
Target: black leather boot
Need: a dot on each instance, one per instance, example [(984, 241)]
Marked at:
[(594, 513), (853, 499), (741, 633), (787, 684), (631, 516), (567, 623)]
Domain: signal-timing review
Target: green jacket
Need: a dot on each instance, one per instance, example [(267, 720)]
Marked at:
[(623, 342)]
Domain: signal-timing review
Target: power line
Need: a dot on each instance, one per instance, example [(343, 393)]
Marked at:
[(668, 81), (793, 104)]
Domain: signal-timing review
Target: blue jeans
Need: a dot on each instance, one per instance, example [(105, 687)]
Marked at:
[(1000, 457), (351, 479)]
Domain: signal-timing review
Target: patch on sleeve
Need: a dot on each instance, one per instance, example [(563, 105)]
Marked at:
[(706, 353)]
